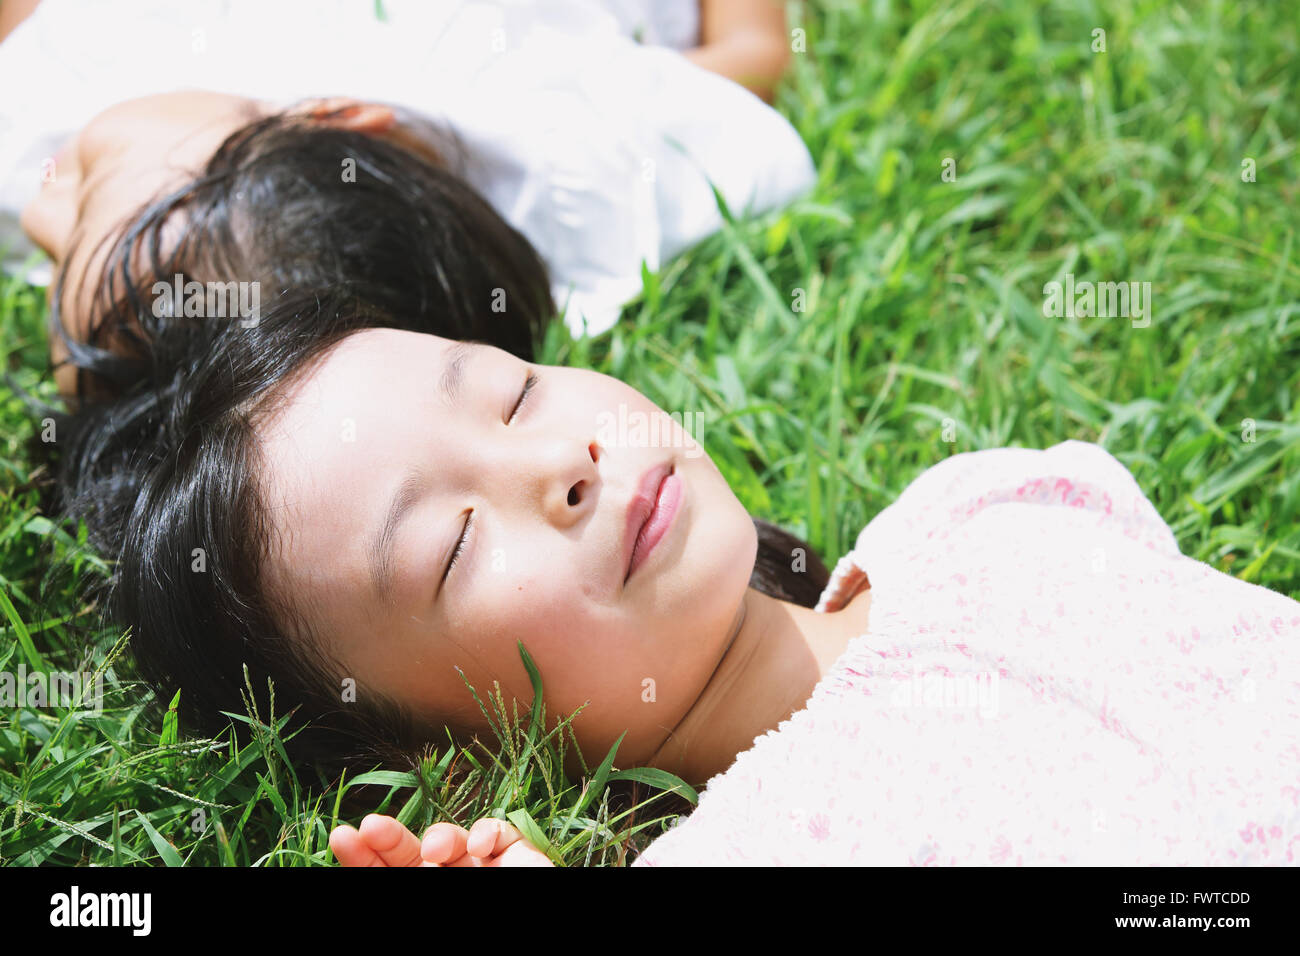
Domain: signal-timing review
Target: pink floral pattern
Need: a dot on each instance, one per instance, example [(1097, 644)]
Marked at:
[(1045, 679)]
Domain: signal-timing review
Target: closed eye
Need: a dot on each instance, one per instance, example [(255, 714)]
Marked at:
[(529, 382), (460, 546)]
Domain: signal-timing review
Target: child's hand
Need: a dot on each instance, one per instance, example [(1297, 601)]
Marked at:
[(382, 841)]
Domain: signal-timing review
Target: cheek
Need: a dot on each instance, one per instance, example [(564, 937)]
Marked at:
[(541, 602), (579, 644)]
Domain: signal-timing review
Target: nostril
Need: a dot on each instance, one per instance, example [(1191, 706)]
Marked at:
[(594, 451), (574, 495)]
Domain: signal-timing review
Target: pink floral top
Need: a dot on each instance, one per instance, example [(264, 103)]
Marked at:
[(1044, 679)]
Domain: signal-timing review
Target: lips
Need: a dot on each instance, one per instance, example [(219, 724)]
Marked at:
[(650, 514)]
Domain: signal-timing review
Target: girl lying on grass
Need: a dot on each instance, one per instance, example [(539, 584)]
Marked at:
[(226, 166), (1014, 664)]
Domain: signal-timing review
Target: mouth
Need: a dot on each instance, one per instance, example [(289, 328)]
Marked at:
[(650, 514)]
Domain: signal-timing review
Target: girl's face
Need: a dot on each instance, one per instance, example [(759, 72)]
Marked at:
[(400, 450)]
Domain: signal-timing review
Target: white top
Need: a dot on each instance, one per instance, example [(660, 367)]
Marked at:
[(596, 147)]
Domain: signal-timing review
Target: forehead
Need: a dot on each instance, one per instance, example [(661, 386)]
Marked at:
[(344, 426), (349, 406)]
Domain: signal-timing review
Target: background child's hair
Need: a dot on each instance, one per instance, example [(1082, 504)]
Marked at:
[(290, 202)]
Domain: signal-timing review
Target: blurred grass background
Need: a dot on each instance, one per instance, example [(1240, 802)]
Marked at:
[(825, 347)]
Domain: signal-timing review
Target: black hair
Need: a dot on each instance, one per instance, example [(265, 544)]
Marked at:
[(787, 567), (291, 202)]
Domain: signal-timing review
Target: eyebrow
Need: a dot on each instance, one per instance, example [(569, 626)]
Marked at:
[(408, 494), (414, 484), (453, 374)]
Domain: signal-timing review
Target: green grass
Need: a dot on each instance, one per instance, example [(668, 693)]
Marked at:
[(922, 304)]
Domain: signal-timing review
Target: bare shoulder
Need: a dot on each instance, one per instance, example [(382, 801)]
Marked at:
[(14, 12)]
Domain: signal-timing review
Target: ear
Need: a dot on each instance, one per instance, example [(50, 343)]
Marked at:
[(343, 112)]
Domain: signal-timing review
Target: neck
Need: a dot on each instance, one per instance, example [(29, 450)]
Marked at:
[(777, 653)]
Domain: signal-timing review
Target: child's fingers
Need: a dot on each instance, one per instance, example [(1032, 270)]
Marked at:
[(350, 850), (444, 844), (490, 837), (392, 843), (521, 853)]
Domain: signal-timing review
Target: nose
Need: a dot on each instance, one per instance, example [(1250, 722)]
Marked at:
[(563, 479)]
